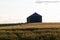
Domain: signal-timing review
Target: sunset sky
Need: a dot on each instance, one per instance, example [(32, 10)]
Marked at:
[(16, 11)]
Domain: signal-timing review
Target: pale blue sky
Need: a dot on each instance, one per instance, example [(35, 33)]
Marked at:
[(16, 11)]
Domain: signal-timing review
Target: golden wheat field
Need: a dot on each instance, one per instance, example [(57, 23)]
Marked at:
[(30, 31), (31, 25)]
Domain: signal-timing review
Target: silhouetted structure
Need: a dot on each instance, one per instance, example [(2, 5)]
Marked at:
[(34, 18)]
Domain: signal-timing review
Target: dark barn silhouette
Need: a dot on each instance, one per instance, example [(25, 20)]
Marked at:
[(34, 18)]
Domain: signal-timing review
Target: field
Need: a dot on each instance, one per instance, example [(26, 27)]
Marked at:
[(30, 31)]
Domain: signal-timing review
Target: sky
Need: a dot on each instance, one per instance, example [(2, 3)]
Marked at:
[(17, 11)]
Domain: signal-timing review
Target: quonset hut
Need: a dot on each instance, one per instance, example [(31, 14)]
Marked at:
[(34, 18)]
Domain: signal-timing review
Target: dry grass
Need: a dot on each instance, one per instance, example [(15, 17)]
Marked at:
[(31, 31), (35, 34), (32, 25)]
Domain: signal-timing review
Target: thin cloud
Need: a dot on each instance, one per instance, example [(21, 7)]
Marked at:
[(47, 1)]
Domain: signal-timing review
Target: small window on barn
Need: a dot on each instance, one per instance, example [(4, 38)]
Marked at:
[(34, 18)]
